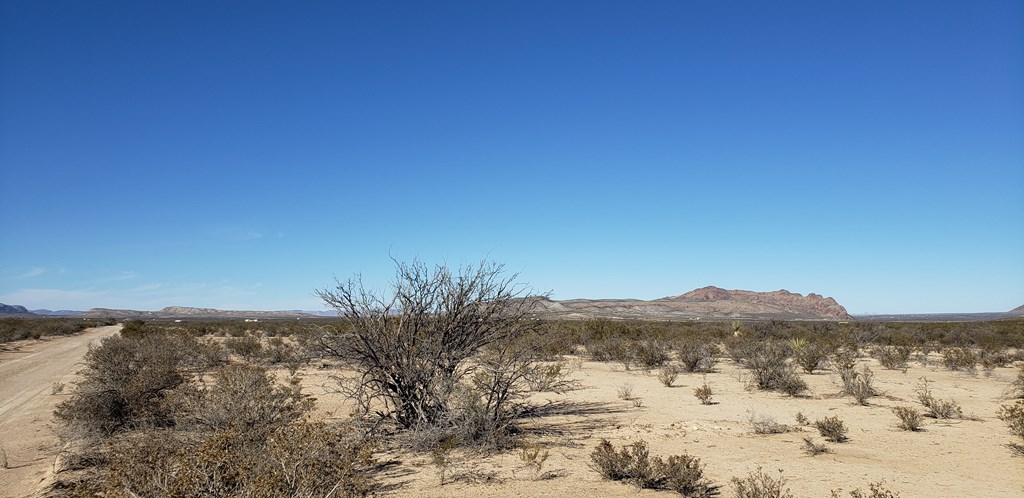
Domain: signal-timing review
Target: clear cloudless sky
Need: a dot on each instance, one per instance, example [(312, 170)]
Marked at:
[(238, 155)]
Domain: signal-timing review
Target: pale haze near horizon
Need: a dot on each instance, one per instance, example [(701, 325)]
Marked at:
[(237, 156)]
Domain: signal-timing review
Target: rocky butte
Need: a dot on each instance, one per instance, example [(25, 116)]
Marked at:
[(707, 303)]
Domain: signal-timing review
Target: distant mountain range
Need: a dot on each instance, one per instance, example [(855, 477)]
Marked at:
[(706, 303)]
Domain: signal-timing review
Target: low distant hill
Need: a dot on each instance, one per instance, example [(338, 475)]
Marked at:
[(45, 312), (709, 303), (13, 310), (183, 312), (1018, 311)]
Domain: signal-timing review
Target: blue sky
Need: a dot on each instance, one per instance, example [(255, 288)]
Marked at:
[(238, 155)]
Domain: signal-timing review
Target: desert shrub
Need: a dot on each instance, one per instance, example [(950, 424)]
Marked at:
[(814, 449), (760, 485), (764, 424), (704, 393), (910, 418), (832, 429), (125, 384), (771, 371), (649, 354), (1016, 389), (304, 459), (696, 356), (550, 377), (15, 329), (937, 408), (683, 474), (802, 419), (875, 490), (961, 359), (412, 346), (247, 347), (862, 386), (1013, 417), (668, 374), (610, 349), (893, 357), (992, 359), (134, 329), (244, 397), (809, 355), (624, 392)]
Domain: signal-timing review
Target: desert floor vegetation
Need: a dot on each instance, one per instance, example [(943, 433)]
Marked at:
[(568, 398)]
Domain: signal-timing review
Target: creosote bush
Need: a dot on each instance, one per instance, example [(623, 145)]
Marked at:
[(668, 374), (814, 449), (961, 359), (937, 408), (875, 490), (704, 393), (910, 418), (697, 356), (771, 371), (832, 429), (1013, 417), (893, 357), (683, 474), (757, 484), (413, 347)]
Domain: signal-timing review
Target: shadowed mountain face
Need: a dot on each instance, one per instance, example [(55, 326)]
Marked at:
[(1018, 311), (705, 303), (13, 310)]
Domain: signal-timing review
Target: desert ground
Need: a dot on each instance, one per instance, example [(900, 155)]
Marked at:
[(948, 458), (951, 458), (31, 375)]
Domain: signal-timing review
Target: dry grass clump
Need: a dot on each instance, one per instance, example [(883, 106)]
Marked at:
[(760, 485), (875, 490), (814, 449), (832, 429), (910, 418), (764, 424), (683, 474)]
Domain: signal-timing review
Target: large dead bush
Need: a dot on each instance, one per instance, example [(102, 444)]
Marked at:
[(435, 333)]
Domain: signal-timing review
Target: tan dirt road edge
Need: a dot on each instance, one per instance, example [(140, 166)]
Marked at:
[(29, 370)]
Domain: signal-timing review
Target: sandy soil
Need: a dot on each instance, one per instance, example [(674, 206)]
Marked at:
[(947, 459), (29, 372)]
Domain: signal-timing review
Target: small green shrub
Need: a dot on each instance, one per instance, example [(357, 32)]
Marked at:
[(832, 429), (760, 485), (910, 418)]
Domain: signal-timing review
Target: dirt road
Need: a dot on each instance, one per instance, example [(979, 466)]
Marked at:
[(29, 372)]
